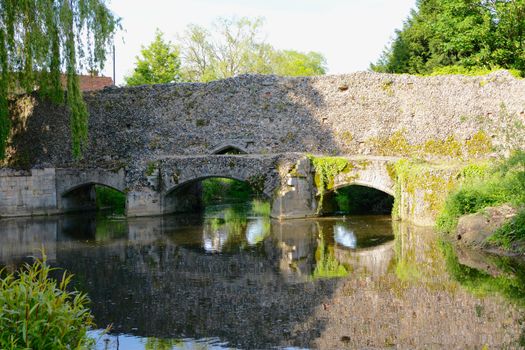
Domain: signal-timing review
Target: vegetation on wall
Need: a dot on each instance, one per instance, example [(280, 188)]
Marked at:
[(40, 39), (38, 312), (326, 169), (470, 34)]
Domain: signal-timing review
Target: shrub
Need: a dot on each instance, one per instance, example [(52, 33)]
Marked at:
[(512, 231), (502, 183), (37, 312)]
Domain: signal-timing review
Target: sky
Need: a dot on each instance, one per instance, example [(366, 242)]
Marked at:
[(349, 33)]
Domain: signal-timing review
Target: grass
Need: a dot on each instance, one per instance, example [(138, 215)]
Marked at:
[(38, 312)]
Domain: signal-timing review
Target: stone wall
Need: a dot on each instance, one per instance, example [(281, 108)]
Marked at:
[(361, 113), (27, 192)]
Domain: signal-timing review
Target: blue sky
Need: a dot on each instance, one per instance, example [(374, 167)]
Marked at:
[(349, 33)]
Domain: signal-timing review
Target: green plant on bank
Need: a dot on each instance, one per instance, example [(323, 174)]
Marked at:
[(327, 266), (38, 312), (485, 186), (512, 231), (326, 169)]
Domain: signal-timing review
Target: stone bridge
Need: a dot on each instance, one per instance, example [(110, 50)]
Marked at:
[(154, 143), (170, 185)]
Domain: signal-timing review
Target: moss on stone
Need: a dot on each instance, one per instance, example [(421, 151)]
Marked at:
[(480, 144), (326, 169), (398, 145), (150, 168)]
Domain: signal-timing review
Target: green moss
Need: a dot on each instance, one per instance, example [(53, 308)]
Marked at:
[(387, 87), (202, 122), (398, 145), (326, 169), (480, 144), (150, 168), (346, 136), (449, 147)]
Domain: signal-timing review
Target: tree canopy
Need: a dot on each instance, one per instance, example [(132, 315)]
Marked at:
[(231, 47), (160, 63), (465, 33), (41, 39)]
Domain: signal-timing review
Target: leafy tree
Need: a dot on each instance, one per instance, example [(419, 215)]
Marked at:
[(41, 38), (466, 33), (160, 63), (238, 48)]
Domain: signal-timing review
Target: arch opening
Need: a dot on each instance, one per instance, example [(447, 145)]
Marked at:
[(356, 199), (197, 195), (229, 150), (94, 197)]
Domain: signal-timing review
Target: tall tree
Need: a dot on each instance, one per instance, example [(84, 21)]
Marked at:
[(465, 33), (39, 39), (159, 64), (238, 47)]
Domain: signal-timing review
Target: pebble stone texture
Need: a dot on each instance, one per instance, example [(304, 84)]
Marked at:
[(133, 128)]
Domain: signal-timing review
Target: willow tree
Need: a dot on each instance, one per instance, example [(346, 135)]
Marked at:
[(42, 39)]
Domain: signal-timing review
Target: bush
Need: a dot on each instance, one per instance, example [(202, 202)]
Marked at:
[(510, 232), (37, 312), (502, 183)]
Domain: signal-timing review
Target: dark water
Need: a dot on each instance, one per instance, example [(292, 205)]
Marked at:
[(232, 279)]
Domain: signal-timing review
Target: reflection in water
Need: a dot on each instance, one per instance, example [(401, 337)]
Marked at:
[(344, 236), (155, 280)]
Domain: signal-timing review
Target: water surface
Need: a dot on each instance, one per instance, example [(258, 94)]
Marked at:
[(231, 279)]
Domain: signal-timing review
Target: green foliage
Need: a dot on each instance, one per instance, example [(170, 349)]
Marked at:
[(110, 198), (484, 187), (222, 190), (261, 208), (327, 265), (37, 312), (472, 34), (234, 46), (511, 232), (510, 284), (39, 38), (326, 169), (298, 64), (160, 63), (472, 71)]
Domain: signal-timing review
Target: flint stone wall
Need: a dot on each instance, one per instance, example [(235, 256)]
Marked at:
[(343, 114)]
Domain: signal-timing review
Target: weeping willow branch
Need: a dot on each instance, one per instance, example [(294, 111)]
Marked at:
[(40, 40)]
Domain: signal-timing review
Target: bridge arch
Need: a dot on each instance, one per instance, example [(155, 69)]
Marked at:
[(187, 196), (76, 188)]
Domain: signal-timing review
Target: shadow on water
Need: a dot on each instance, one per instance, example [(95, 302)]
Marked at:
[(231, 278)]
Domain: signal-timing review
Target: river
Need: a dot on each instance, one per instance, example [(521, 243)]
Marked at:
[(229, 278)]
